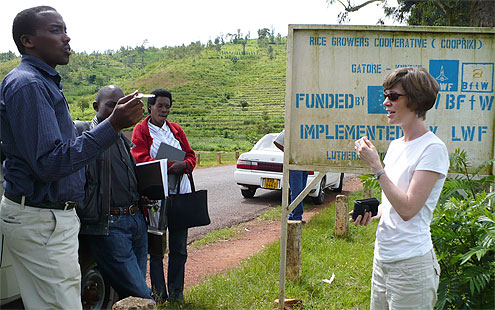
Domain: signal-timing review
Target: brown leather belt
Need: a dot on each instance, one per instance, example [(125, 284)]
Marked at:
[(67, 205), (130, 210)]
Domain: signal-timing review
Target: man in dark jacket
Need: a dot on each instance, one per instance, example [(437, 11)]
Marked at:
[(110, 211)]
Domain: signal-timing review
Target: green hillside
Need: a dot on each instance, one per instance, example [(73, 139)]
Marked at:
[(225, 95)]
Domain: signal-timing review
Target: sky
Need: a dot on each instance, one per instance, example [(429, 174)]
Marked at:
[(108, 24)]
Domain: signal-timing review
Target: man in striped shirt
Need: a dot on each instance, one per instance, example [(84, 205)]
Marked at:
[(43, 176)]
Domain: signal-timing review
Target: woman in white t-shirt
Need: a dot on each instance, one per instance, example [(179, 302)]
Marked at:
[(405, 268)]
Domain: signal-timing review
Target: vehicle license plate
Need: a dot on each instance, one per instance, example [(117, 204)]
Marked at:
[(271, 183)]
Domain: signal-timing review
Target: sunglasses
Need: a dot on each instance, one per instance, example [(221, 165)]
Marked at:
[(392, 96)]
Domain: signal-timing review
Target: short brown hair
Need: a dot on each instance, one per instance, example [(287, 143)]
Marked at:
[(421, 88)]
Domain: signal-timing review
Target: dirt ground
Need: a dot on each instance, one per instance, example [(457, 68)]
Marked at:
[(221, 256)]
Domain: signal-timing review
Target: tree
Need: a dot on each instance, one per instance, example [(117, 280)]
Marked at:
[(244, 42), (270, 52), (350, 7), (473, 13), (263, 33), (272, 36), (7, 56), (218, 43), (235, 38)]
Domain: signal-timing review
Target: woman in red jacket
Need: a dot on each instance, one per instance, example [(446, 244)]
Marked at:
[(147, 136)]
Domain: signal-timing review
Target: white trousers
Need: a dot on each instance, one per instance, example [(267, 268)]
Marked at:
[(44, 248), (407, 284)]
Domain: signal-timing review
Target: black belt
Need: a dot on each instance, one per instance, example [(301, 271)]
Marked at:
[(67, 205), (130, 210)]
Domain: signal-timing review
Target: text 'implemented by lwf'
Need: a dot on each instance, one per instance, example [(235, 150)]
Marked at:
[(383, 132)]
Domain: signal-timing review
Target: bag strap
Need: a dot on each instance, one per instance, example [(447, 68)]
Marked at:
[(193, 188), (189, 175)]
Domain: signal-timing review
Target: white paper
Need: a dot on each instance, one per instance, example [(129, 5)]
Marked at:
[(331, 279), (163, 167)]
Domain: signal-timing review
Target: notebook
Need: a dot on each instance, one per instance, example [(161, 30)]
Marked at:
[(170, 152), (152, 179)]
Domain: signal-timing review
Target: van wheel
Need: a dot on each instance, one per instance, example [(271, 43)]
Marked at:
[(341, 184), (318, 200), (248, 193), (96, 293)]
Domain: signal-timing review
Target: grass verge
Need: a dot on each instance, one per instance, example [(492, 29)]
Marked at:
[(228, 233), (210, 159), (217, 235), (254, 285)]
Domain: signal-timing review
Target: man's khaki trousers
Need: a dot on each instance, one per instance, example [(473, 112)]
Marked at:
[(43, 244)]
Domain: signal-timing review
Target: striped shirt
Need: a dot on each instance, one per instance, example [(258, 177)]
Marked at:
[(165, 135), (44, 156)]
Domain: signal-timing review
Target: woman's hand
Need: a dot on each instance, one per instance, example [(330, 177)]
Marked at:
[(364, 220), (367, 153), (177, 167)]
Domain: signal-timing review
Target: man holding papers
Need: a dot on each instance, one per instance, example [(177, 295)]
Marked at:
[(148, 136)]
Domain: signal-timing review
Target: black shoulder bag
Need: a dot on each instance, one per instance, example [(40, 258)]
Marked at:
[(187, 210)]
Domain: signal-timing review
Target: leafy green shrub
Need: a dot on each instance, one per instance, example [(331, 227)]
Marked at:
[(369, 182), (465, 184), (463, 233)]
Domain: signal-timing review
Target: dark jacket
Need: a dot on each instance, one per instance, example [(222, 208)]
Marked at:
[(94, 211)]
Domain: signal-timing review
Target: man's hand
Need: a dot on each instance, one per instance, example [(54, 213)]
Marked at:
[(128, 111), (177, 167)]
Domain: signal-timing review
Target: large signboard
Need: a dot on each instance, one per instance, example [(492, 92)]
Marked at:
[(334, 90)]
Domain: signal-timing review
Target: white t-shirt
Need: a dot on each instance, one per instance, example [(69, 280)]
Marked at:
[(397, 239)]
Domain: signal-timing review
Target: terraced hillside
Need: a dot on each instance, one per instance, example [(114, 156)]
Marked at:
[(225, 96)]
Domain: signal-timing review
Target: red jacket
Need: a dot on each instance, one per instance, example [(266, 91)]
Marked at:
[(141, 137)]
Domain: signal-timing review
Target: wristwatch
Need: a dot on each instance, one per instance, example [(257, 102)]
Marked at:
[(377, 175)]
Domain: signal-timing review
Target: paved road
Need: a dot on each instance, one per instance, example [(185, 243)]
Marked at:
[(226, 205)]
